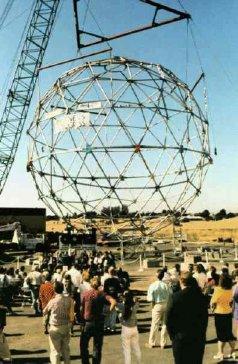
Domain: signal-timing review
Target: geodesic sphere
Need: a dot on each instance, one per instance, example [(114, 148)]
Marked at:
[(118, 132)]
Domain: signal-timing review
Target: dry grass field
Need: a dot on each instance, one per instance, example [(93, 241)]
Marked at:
[(195, 230)]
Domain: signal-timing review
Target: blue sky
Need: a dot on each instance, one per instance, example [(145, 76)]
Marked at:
[(215, 29)]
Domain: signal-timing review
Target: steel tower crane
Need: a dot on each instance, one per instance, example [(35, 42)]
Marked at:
[(24, 81)]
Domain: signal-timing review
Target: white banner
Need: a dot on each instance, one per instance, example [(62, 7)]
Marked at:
[(53, 113), (71, 121), (90, 105)]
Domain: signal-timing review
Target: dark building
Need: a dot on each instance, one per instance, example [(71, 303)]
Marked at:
[(33, 220)]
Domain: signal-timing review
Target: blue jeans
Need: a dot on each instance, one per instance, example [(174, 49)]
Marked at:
[(110, 319)]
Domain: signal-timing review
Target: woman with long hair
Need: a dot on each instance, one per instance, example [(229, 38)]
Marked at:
[(129, 333), (221, 303)]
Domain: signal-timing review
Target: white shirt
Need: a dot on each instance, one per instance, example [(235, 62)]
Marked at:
[(76, 276), (201, 278), (84, 286), (36, 278), (104, 277), (57, 277)]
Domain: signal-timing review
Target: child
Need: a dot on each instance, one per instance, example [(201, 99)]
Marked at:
[(4, 349), (129, 332)]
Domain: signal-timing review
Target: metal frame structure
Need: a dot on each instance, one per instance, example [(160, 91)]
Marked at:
[(24, 81), (119, 132), (179, 15)]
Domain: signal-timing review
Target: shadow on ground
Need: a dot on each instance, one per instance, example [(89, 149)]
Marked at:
[(29, 352), (42, 360)]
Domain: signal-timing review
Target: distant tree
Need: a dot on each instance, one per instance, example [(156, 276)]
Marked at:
[(205, 214), (124, 210), (230, 215), (111, 211), (91, 214), (105, 211), (116, 211), (220, 215)]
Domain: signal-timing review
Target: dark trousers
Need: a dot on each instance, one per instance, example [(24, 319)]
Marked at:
[(6, 295), (92, 329), (188, 350)]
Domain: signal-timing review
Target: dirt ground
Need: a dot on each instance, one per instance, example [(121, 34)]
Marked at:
[(29, 345)]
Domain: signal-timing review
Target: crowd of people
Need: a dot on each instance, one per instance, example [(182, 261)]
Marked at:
[(88, 290), (66, 290), (180, 304)]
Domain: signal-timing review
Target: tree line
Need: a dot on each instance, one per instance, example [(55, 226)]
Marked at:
[(123, 211)]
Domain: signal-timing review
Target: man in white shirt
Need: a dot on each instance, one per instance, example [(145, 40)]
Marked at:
[(158, 294), (76, 276), (35, 280), (57, 276)]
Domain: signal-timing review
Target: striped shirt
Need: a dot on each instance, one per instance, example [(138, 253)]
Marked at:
[(46, 293), (61, 309)]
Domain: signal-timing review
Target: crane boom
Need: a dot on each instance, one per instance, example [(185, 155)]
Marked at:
[(24, 81)]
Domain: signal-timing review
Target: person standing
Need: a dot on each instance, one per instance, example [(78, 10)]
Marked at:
[(46, 293), (129, 331), (35, 280), (85, 285), (71, 291), (4, 348), (92, 303), (159, 294), (75, 274), (4, 290), (201, 276), (58, 275), (112, 288), (235, 302), (105, 275), (187, 320), (61, 316), (221, 303)]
